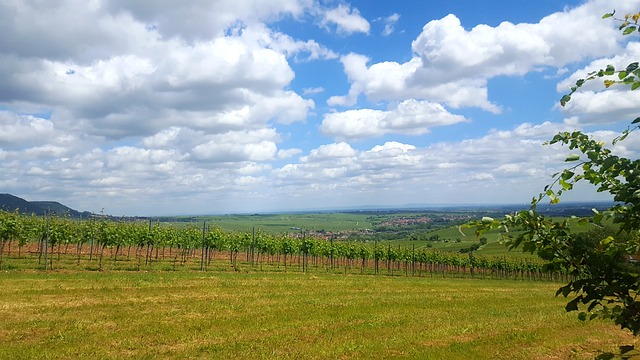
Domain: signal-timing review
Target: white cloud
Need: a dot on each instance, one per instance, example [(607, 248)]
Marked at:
[(452, 65), (237, 146), (312, 91), (302, 51), (23, 130), (332, 151), (508, 166), (107, 72), (607, 107), (205, 19), (353, 123), (389, 24), (593, 104), (392, 146), (288, 153), (346, 19), (410, 117), (218, 85), (130, 106)]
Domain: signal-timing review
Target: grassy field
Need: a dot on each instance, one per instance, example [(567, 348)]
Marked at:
[(194, 315), (285, 223)]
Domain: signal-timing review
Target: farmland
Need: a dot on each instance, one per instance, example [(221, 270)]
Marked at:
[(145, 289), (103, 244)]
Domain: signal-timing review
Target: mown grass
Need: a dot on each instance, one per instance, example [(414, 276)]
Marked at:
[(194, 315)]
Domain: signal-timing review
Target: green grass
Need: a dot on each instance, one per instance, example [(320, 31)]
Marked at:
[(448, 242), (283, 223), (193, 315)]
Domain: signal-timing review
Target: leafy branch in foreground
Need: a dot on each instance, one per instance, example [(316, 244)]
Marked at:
[(602, 262), (629, 76)]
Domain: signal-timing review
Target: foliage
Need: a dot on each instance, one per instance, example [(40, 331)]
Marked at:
[(605, 277), (629, 76)]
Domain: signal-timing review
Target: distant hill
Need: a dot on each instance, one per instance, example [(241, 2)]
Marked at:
[(10, 202)]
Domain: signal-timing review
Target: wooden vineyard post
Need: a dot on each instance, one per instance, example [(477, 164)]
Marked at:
[(305, 259), (93, 227), (204, 228), (46, 244), (375, 256), (413, 260), (253, 245), (331, 253), (389, 269)]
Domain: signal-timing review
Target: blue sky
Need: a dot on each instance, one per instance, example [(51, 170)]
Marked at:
[(192, 107)]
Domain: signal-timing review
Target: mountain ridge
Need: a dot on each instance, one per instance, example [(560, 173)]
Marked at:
[(10, 202)]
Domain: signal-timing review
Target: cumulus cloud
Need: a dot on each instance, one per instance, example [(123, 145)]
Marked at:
[(134, 93), (238, 146), (23, 130), (288, 153), (226, 83), (346, 19), (452, 65), (410, 117), (332, 151), (148, 104), (206, 19), (593, 103), (508, 166)]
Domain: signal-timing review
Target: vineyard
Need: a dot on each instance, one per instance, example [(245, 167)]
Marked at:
[(51, 242)]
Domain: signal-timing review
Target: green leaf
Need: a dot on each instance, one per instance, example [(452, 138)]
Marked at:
[(605, 356), (609, 162), (622, 75), (635, 85), (597, 218), (621, 137), (487, 219), (608, 15), (632, 67), (610, 70), (573, 304), (567, 174), (629, 30), (606, 241), (636, 120), (565, 291), (626, 348), (565, 99), (565, 185), (572, 157)]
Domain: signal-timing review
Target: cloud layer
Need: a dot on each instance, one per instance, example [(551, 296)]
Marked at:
[(198, 107)]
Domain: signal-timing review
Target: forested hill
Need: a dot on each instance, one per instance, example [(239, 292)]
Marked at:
[(10, 202)]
